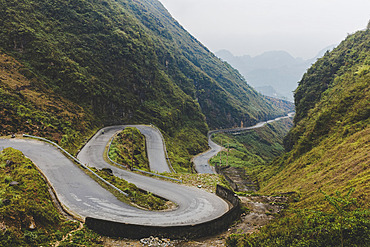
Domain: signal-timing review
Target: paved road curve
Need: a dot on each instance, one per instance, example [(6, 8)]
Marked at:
[(201, 162), (80, 194), (154, 146)]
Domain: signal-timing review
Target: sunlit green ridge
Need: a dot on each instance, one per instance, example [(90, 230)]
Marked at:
[(330, 139), (122, 62), (327, 169)]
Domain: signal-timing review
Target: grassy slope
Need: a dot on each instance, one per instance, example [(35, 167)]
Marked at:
[(26, 106), (28, 203), (98, 56), (254, 149), (332, 151), (328, 165), (121, 149)]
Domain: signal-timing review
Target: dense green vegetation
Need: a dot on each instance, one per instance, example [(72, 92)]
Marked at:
[(332, 90), (128, 148), (26, 106), (332, 140), (329, 152), (28, 216), (119, 62), (222, 93), (253, 149)]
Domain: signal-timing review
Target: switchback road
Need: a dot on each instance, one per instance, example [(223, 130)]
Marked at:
[(201, 161), (86, 198)]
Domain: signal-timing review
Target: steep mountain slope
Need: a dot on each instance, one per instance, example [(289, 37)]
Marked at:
[(27, 106), (128, 62), (330, 142), (221, 91), (326, 174)]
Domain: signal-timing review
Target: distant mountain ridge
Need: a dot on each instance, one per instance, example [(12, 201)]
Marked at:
[(273, 73)]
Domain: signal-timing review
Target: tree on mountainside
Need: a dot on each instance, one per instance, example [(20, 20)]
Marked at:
[(368, 25)]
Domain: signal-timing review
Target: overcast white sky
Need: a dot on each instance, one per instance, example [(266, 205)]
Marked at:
[(301, 27)]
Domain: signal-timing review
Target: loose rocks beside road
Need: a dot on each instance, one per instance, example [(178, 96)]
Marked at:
[(156, 242)]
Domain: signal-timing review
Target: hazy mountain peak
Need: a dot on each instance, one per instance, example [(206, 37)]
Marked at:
[(225, 55), (277, 70), (276, 53)]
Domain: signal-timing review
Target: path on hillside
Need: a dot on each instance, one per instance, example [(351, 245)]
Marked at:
[(85, 197), (201, 161)]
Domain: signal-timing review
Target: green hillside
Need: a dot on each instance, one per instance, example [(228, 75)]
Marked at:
[(122, 62), (253, 149), (328, 167), (331, 139), (28, 214), (221, 91), (28, 106), (344, 67)]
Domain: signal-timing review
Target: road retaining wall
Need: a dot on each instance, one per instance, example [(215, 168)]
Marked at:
[(116, 229)]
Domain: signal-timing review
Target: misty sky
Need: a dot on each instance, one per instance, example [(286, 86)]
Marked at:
[(301, 27)]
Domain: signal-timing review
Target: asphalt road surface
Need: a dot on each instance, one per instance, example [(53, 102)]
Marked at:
[(201, 161), (86, 198), (154, 146)]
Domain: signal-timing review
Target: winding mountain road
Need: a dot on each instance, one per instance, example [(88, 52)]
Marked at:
[(86, 198), (155, 148), (201, 161)]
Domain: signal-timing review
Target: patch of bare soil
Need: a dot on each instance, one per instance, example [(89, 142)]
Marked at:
[(237, 178), (262, 210)]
